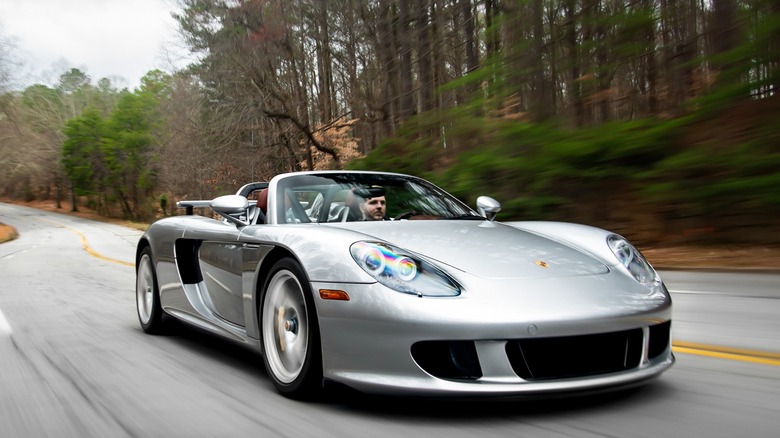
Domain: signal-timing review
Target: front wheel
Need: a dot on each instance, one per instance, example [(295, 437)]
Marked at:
[(147, 294), (290, 332)]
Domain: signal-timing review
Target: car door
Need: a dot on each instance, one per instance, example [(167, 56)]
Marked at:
[(217, 251)]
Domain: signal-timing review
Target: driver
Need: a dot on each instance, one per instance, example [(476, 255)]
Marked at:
[(374, 207)]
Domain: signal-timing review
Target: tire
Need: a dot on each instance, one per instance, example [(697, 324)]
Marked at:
[(290, 332), (147, 295)]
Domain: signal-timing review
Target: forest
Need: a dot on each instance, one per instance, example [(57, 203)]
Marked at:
[(658, 119)]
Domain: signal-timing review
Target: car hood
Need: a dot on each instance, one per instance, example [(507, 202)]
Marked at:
[(484, 249)]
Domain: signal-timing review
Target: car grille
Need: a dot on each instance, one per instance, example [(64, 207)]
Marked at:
[(574, 356), (538, 359)]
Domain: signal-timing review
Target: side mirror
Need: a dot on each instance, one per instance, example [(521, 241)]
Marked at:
[(488, 207), (230, 205)]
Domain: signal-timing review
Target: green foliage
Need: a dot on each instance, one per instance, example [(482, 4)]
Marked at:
[(82, 150), (73, 81), (716, 179), (112, 158)]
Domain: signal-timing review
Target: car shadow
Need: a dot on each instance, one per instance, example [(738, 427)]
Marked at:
[(215, 347), (468, 409)]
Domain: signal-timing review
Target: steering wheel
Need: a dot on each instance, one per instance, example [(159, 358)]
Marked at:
[(405, 215)]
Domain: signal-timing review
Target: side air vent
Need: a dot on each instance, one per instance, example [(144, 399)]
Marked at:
[(187, 260)]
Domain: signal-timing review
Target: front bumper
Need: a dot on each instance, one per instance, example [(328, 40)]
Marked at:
[(538, 337)]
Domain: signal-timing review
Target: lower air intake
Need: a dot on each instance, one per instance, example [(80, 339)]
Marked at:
[(454, 360), (575, 356)]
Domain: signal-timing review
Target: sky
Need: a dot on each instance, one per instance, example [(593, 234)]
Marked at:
[(117, 39)]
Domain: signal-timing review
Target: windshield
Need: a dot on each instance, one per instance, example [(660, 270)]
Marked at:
[(347, 197)]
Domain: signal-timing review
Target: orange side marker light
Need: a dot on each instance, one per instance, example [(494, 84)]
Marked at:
[(333, 294)]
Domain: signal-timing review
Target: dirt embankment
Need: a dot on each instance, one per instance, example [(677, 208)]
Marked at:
[(6, 233), (673, 257), (65, 208)]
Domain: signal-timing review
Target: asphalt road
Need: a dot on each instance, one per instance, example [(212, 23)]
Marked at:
[(75, 363)]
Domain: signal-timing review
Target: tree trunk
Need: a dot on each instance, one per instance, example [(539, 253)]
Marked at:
[(424, 56), (74, 200), (588, 76), (404, 36), (574, 86), (324, 66), (491, 28), (541, 108), (650, 64), (387, 46), (471, 41), (604, 69), (723, 37)]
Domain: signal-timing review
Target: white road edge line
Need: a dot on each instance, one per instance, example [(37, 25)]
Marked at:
[(695, 292), (5, 327)]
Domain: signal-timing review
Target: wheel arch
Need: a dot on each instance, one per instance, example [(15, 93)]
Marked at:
[(143, 243), (150, 313), (262, 275)]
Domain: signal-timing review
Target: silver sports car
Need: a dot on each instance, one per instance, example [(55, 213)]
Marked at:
[(387, 284)]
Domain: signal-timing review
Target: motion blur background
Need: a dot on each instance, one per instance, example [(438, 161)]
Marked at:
[(658, 119)]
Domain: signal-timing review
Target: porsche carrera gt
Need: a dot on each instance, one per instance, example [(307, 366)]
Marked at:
[(434, 298)]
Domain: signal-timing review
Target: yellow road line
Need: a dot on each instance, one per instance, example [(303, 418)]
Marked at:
[(752, 356), (86, 246)]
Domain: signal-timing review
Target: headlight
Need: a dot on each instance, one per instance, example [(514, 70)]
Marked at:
[(402, 272), (632, 260)]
